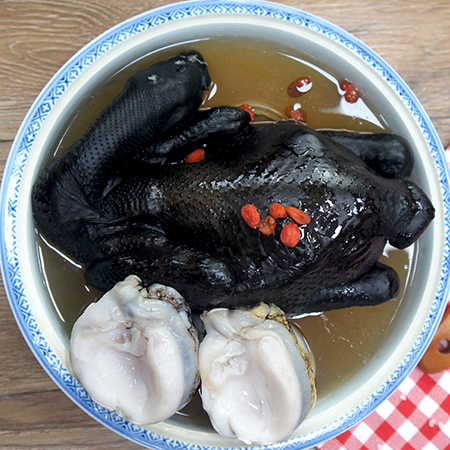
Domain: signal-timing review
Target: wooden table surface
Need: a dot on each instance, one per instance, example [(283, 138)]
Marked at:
[(38, 36)]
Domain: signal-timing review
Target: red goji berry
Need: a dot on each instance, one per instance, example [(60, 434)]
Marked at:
[(296, 114), (298, 215), (251, 215), (267, 226), (290, 234), (299, 87), (195, 157), (278, 211), (351, 91), (250, 110)]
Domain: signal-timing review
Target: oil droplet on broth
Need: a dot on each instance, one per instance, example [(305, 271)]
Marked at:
[(257, 74)]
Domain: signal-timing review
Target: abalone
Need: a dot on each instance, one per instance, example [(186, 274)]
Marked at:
[(135, 351), (257, 374)]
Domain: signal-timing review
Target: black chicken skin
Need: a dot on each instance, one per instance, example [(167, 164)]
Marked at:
[(122, 201)]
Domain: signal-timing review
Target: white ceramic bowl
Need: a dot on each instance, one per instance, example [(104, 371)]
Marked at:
[(422, 307)]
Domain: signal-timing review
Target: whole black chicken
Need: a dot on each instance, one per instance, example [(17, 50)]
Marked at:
[(124, 199)]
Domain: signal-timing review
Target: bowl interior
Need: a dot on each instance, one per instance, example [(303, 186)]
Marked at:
[(339, 408)]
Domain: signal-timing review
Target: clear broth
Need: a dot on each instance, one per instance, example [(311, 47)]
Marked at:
[(254, 72)]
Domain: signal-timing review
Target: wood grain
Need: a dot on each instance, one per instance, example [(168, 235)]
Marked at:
[(37, 37)]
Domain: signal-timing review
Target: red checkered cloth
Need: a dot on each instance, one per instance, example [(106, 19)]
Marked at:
[(415, 417)]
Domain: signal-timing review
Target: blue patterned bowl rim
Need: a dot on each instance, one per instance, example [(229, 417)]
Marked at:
[(44, 103)]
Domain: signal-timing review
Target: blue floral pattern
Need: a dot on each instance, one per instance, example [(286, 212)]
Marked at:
[(37, 115)]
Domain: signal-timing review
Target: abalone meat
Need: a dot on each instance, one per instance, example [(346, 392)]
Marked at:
[(135, 351), (257, 374)]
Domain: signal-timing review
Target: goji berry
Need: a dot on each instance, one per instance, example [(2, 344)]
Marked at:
[(296, 114), (299, 87), (278, 211), (250, 110), (298, 215), (351, 91), (290, 234), (195, 157), (251, 215), (267, 225)]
